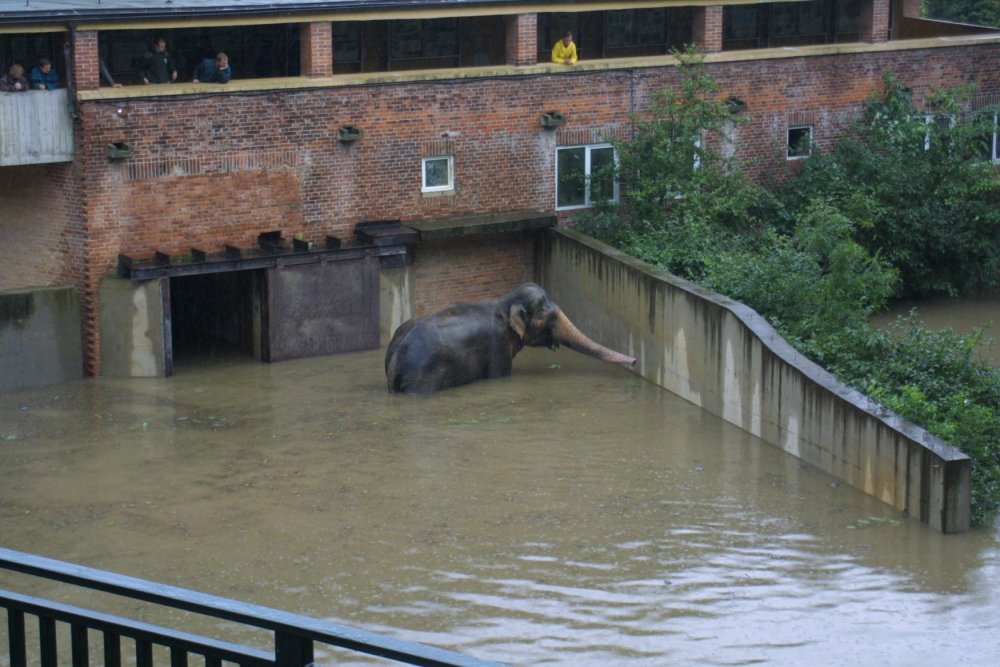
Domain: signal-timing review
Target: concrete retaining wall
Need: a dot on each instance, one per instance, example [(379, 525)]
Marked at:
[(723, 357), (40, 339)]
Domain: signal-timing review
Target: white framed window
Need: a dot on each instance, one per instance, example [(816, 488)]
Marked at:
[(438, 173), (695, 166), (991, 141), (942, 122), (585, 175), (800, 142)]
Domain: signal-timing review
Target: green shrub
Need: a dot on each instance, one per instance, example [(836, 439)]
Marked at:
[(917, 182), (900, 206)]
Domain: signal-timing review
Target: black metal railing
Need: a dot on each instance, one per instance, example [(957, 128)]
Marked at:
[(294, 636)]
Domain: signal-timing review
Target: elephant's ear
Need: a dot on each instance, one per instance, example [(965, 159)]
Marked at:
[(518, 320)]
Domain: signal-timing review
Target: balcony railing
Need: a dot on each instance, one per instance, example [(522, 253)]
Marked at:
[(36, 127), (294, 636)]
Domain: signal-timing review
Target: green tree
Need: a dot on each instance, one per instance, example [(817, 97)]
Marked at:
[(900, 196), (682, 201), (920, 186), (977, 12)]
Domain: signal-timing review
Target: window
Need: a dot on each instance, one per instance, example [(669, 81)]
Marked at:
[(942, 123), (991, 139), (585, 175), (684, 177), (346, 42), (423, 39), (800, 142), (797, 19), (635, 27), (439, 174)]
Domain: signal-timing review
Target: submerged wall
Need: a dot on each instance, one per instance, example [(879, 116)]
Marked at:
[(40, 339), (723, 357)]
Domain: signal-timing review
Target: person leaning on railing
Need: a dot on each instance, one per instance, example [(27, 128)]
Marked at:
[(213, 71), (43, 76), (564, 51), (13, 81)]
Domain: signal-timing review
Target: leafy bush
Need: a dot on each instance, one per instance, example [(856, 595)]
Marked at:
[(978, 12), (900, 206), (922, 177)]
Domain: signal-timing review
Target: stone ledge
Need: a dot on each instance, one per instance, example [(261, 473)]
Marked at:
[(478, 225)]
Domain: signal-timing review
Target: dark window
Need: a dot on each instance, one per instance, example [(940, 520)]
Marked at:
[(790, 24), (429, 40), (255, 52), (346, 43), (800, 142), (632, 28), (26, 49)]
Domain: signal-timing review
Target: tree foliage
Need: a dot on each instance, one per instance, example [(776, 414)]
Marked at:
[(977, 12), (923, 176), (901, 206)]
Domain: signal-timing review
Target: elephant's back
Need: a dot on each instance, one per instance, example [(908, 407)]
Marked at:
[(445, 348)]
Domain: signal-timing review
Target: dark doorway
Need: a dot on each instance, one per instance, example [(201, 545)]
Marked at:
[(212, 316)]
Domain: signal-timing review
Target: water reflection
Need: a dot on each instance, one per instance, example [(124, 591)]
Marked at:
[(570, 515)]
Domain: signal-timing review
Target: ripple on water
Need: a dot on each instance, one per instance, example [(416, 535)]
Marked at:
[(568, 515)]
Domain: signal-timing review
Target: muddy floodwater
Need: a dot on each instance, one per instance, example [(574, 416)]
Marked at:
[(962, 315), (572, 514)]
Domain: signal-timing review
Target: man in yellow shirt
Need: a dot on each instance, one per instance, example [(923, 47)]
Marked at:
[(564, 52)]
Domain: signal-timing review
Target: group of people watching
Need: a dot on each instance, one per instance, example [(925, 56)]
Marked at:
[(157, 67), (43, 77)]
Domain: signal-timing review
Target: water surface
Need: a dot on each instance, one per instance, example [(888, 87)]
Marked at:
[(572, 514), (962, 315)]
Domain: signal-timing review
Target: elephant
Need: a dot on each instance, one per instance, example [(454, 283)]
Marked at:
[(474, 341)]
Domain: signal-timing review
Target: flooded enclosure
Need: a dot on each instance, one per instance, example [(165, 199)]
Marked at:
[(572, 514)]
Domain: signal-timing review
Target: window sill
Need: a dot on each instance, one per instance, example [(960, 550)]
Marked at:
[(439, 193)]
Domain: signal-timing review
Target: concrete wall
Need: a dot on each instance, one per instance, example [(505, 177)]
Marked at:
[(35, 127), (723, 357), (40, 340), (135, 338)]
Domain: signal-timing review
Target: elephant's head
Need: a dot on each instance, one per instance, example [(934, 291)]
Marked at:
[(538, 322)]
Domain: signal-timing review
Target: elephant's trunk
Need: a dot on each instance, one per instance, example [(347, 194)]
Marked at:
[(566, 333)]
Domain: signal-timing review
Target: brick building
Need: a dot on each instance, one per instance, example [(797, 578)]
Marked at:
[(229, 210)]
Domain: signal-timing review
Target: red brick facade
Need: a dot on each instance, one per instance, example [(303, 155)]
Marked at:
[(467, 269), (874, 21), (86, 72), (521, 39), (316, 40), (220, 168), (707, 28)]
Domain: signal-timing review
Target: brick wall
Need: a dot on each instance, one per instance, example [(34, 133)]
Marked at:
[(468, 269), (42, 232), (873, 24), (219, 169), (316, 51), (522, 36), (707, 28), (86, 71)]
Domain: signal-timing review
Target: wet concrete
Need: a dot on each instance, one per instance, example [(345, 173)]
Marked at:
[(572, 514)]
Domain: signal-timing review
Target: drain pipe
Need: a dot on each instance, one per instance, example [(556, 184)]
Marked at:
[(69, 58)]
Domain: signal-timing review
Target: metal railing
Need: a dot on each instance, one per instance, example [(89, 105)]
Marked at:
[(294, 636)]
